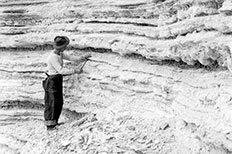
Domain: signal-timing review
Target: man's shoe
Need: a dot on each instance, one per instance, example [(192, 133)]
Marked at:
[(49, 128), (61, 123)]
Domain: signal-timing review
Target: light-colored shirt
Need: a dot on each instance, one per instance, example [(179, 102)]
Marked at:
[(55, 64)]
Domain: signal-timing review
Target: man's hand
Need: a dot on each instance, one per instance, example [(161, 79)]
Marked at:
[(86, 56), (78, 69)]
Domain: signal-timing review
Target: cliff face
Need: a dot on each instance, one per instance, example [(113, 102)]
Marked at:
[(158, 71)]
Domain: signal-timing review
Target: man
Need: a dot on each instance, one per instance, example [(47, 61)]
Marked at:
[(53, 84)]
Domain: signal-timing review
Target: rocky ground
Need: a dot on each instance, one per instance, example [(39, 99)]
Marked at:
[(158, 80)]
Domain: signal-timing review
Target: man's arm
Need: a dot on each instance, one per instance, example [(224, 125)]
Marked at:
[(76, 59), (61, 70)]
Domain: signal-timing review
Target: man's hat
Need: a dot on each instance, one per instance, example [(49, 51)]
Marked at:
[(60, 42)]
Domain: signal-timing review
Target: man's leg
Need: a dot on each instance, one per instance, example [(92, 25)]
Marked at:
[(49, 112), (58, 107)]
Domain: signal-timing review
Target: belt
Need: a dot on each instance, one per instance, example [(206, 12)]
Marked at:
[(52, 74)]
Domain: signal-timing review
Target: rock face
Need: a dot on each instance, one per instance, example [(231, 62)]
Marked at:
[(158, 71)]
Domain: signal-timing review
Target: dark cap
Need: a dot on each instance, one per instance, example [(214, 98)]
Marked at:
[(60, 42)]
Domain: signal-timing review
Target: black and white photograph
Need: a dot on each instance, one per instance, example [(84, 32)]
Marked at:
[(115, 76)]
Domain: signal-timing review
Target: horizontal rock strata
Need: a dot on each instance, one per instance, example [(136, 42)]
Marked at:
[(158, 70)]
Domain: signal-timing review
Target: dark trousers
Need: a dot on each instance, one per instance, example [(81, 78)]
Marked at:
[(53, 99)]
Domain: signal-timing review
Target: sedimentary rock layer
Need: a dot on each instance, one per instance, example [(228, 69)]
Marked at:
[(132, 28), (159, 62)]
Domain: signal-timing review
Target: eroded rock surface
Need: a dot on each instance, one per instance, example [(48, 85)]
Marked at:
[(157, 81)]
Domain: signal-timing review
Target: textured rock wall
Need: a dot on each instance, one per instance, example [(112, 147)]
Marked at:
[(160, 61)]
